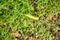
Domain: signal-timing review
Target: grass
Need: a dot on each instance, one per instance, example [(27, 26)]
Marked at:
[(29, 19)]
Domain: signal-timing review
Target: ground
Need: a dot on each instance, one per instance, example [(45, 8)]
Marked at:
[(29, 19)]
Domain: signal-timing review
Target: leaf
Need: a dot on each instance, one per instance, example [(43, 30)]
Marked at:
[(58, 22)]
